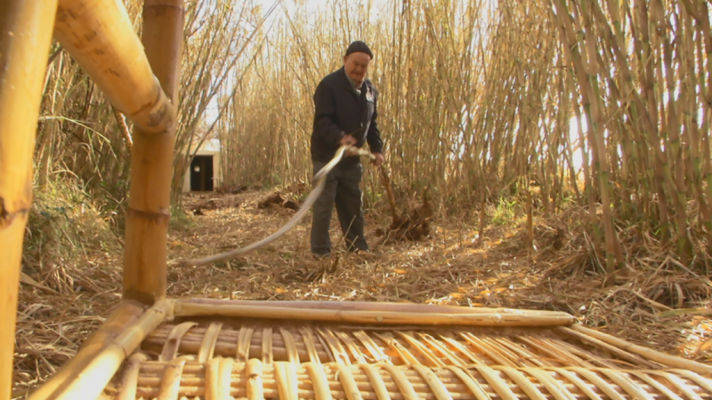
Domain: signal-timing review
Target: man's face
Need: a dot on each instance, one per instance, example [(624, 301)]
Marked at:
[(356, 66)]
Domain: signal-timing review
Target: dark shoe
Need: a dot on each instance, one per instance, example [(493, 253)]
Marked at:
[(320, 257)]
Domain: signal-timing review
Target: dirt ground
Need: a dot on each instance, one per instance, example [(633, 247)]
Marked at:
[(655, 303)]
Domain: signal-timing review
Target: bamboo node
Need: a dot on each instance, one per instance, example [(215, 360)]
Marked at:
[(152, 216), (7, 215)]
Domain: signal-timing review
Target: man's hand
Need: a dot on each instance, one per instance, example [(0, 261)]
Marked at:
[(348, 140), (378, 159)]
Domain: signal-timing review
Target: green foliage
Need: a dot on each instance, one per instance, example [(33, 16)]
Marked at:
[(299, 197), (372, 196), (273, 181), (504, 212)]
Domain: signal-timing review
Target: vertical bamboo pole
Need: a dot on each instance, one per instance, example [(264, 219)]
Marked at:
[(25, 38), (152, 161)]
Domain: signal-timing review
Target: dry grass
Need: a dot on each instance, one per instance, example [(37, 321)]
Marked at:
[(651, 304)]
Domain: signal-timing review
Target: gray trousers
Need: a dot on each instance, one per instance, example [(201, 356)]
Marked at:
[(342, 189)]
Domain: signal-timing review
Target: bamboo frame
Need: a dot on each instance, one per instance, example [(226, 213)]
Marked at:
[(147, 218), (25, 38)]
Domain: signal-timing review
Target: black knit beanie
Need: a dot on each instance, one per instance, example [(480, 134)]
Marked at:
[(359, 47)]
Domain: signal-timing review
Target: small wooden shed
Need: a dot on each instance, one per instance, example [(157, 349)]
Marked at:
[(155, 347), (204, 174)]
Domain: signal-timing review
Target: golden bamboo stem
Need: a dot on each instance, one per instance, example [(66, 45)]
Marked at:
[(100, 36), (364, 306), (89, 382), (163, 39), (494, 318), (126, 313), (25, 38), (152, 162)]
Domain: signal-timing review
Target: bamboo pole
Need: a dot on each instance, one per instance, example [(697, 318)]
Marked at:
[(100, 36), (362, 306), (25, 38), (89, 382), (126, 313), (494, 318), (152, 161)]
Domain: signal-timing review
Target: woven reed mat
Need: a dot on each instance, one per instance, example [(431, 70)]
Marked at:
[(222, 356)]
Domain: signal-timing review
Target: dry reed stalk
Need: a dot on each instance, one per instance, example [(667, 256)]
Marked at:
[(665, 359), (121, 121), (25, 39), (586, 66)]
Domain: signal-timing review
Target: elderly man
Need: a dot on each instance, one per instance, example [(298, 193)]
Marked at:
[(345, 114)]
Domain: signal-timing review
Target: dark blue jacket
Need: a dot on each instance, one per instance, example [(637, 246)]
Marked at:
[(340, 111)]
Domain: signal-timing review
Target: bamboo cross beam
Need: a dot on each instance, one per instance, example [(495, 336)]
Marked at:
[(25, 38), (100, 37), (375, 306), (495, 317)]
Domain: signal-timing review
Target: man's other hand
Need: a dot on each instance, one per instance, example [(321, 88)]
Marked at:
[(348, 140), (378, 159)]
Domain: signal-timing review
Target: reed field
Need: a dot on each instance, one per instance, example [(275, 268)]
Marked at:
[(602, 104), (564, 147)]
